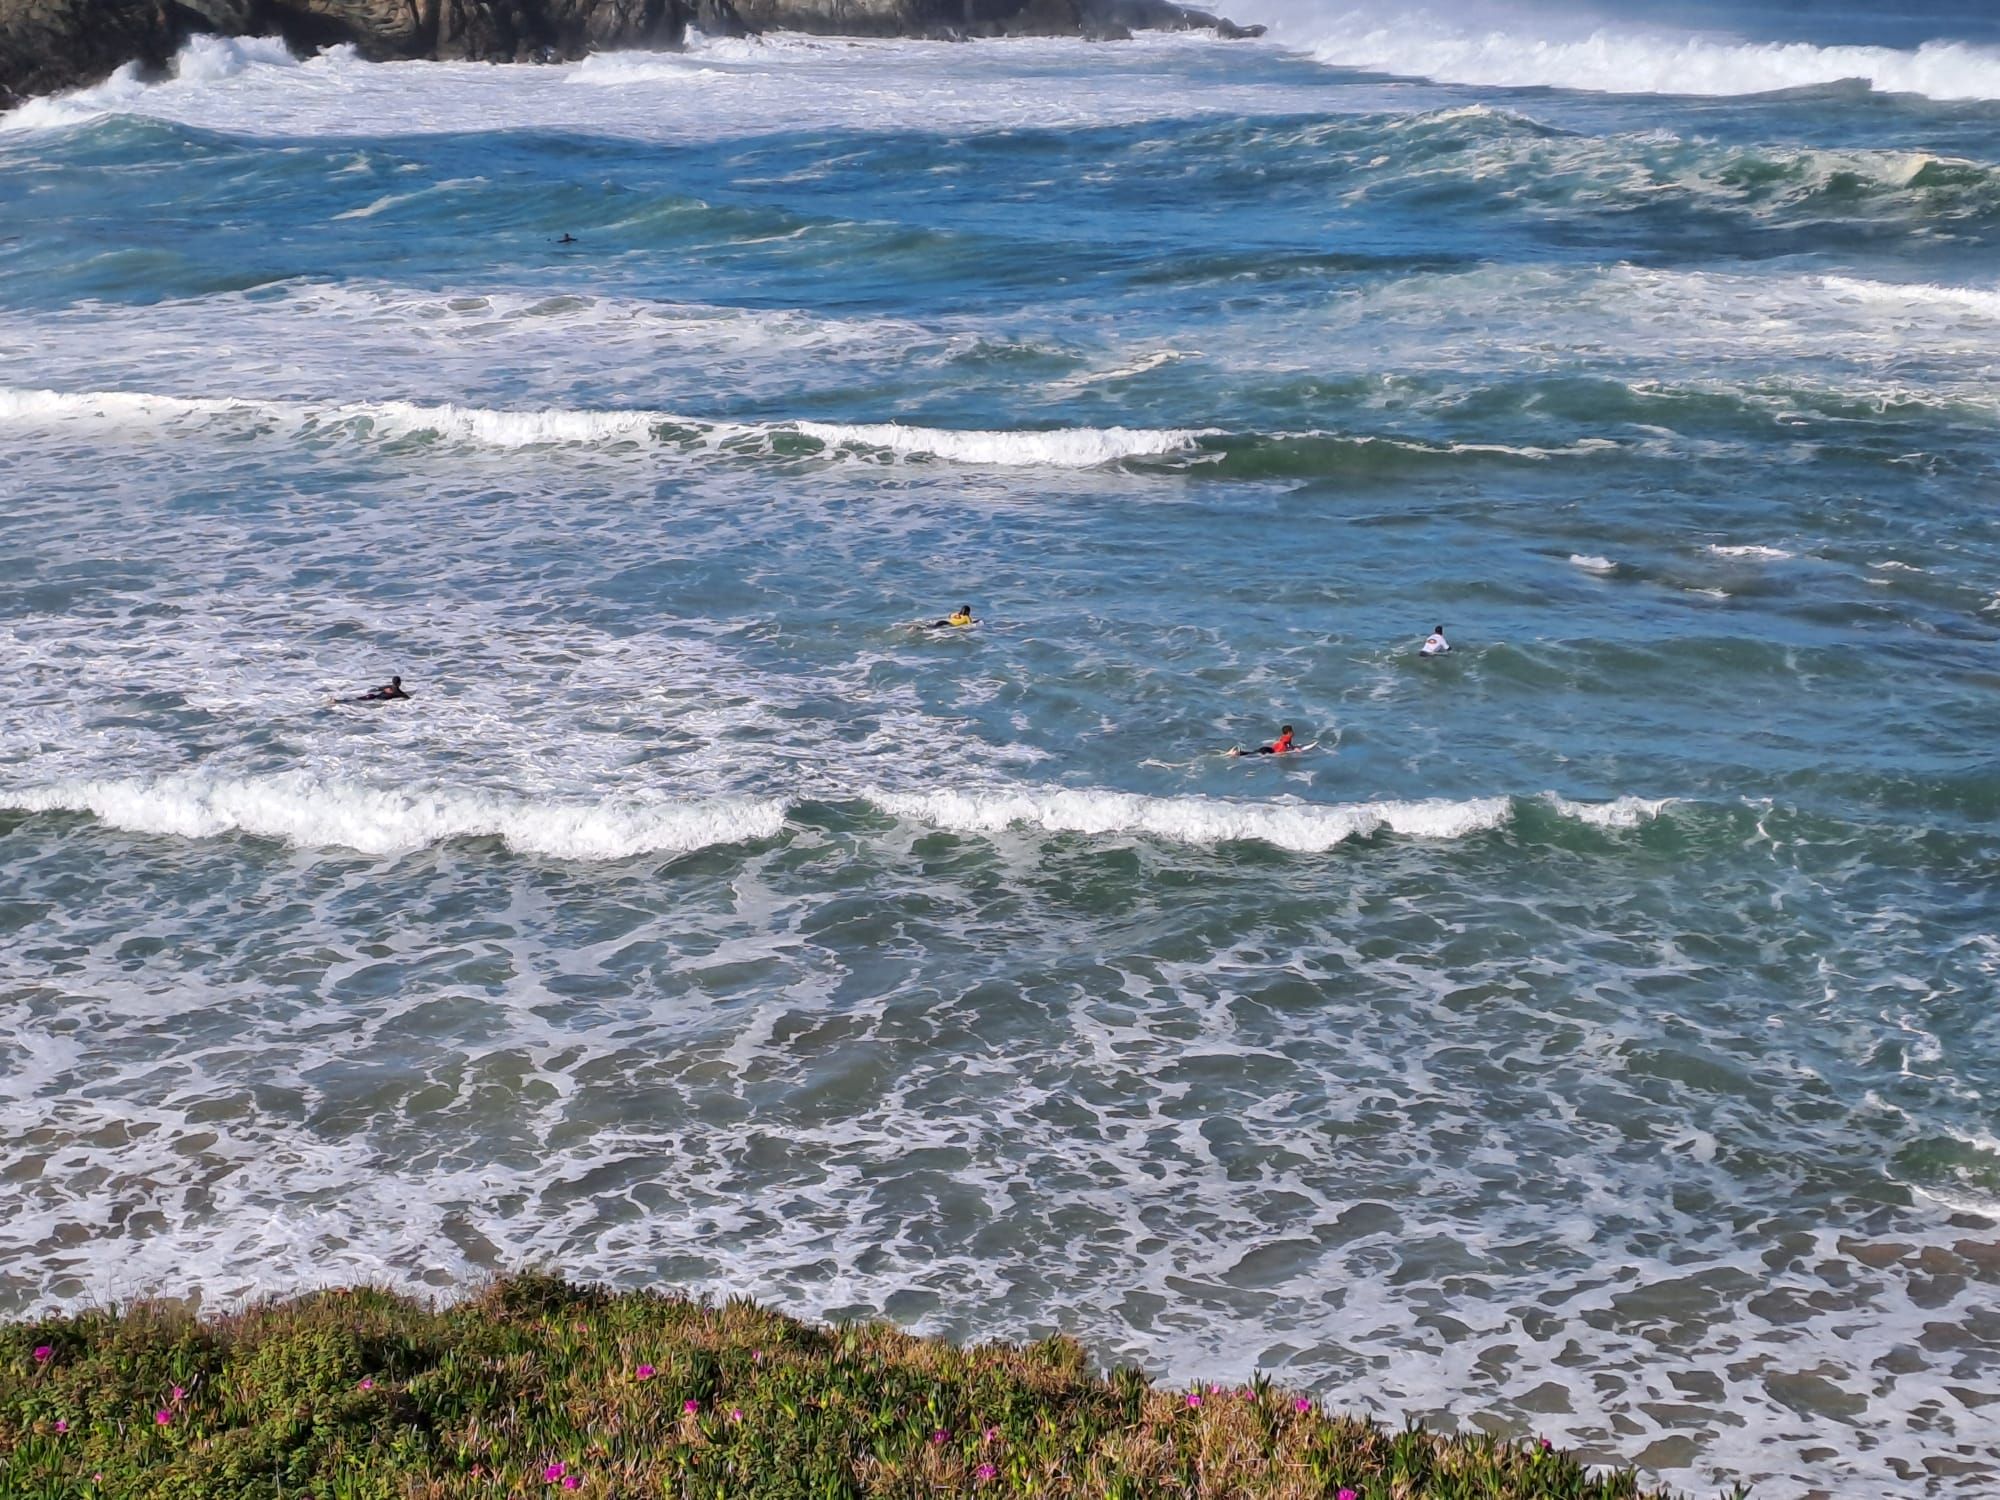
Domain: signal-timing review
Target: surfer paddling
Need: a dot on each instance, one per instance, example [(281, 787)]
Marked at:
[(1282, 745), (958, 619), (387, 692), (1435, 644)]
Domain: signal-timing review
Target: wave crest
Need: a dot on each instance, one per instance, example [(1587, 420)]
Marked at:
[(1632, 63), (1302, 827), (312, 812), (305, 811), (1073, 448)]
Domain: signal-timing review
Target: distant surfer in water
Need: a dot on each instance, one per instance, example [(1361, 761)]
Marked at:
[(567, 239), (958, 619), (1435, 644), (1282, 745), (388, 691)]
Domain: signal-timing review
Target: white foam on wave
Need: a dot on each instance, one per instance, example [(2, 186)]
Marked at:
[(485, 344), (1065, 448), (1591, 563), (1302, 827), (308, 812), (202, 60), (313, 812), (1071, 448), (1621, 812), (1140, 366), (720, 89), (1763, 554), (1979, 302), (1632, 61)]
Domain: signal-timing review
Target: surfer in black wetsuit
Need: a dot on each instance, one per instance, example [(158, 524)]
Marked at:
[(389, 690), (567, 239)]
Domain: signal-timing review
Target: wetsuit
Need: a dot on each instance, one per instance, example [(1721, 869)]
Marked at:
[(1280, 746), (383, 694)]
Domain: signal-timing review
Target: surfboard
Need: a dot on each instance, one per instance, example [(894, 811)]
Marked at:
[(1239, 753)]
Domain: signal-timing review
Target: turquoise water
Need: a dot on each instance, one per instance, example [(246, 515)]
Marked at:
[(1593, 1034)]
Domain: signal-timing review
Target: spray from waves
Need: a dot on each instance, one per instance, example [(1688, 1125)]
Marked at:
[(1424, 45), (202, 59), (1071, 448), (311, 812)]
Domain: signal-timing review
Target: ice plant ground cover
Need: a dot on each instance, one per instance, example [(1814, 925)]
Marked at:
[(538, 1386)]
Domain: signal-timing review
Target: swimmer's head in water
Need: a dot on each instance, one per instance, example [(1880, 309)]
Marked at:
[(395, 682), (1438, 631), (1284, 729)]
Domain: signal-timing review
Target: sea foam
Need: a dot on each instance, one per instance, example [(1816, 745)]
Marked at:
[(314, 813), (1617, 62), (1302, 827)]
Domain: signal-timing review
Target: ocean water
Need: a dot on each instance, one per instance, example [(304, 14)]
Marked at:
[(1594, 1034)]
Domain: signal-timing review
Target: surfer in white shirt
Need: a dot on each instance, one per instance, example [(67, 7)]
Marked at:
[(1435, 644)]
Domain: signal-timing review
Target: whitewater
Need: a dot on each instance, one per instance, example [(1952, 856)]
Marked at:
[(1591, 1034)]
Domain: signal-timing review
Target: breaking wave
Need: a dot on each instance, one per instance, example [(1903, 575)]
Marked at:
[(1070, 448), (306, 811), (1302, 827), (201, 59), (1609, 61), (312, 812)]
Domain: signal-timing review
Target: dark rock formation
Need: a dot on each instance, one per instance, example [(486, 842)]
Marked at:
[(47, 45), (975, 18)]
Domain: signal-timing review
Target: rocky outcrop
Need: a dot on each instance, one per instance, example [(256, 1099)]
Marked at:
[(47, 45), (977, 18)]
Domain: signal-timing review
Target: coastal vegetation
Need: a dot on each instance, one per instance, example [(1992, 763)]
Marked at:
[(536, 1386)]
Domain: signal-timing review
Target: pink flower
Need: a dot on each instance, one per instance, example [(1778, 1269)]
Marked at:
[(43, 1354), (1546, 1444), (1215, 1390), (735, 1413), (571, 1482), (940, 1437), (1194, 1398), (61, 1425), (1302, 1404), (554, 1472), (163, 1418), (757, 1357), (992, 1434), (367, 1383), (644, 1372), (1346, 1494), (986, 1471), (690, 1406), (180, 1395)]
